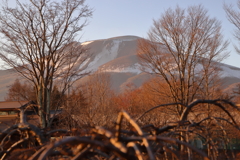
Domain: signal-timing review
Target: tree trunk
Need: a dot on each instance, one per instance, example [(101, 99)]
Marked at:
[(41, 107), (48, 106), (23, 118)]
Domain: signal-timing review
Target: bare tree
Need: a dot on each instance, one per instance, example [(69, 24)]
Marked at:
[(98, 94), (234, 18), (182, 49), (38, 42), (20, 92)]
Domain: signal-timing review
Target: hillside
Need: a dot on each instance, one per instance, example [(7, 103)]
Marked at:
[(117, 56)]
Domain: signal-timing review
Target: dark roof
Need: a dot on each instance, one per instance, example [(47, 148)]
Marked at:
[(13, 104)]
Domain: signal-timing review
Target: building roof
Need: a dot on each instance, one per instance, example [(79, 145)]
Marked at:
[(13, 104)]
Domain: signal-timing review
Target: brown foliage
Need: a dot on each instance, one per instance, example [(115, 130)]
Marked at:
[(26, 92), (182, 48), (21, 92)]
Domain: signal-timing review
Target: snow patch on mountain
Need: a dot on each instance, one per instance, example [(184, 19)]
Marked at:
[(229, 71), (84, 63), (108, 52), (86, 43), (130, 69), (125, 38)]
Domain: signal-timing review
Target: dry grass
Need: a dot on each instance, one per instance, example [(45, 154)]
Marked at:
[(126, 141)]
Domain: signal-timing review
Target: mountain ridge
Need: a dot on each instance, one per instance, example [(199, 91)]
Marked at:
[(126, 61), (118, 57)]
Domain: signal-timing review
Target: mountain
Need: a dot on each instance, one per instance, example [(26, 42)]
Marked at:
[(117, 56)]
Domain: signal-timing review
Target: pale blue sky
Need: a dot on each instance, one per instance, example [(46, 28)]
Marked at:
[(113, 18)]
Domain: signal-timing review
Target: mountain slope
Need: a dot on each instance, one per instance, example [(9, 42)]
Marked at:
[(125, 67), (117, 56), (104, 51)]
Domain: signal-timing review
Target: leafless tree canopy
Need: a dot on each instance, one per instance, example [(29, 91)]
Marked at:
[(234, 18), (20, 92), (183, 47), (35, 41)]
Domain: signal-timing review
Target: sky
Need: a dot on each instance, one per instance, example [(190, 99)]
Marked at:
[(112, 18)]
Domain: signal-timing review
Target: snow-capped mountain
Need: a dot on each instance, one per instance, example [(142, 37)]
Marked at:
[(110, 53), (117, 56)]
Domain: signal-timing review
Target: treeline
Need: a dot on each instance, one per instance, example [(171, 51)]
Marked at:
[(211, 125), (95, 103)]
